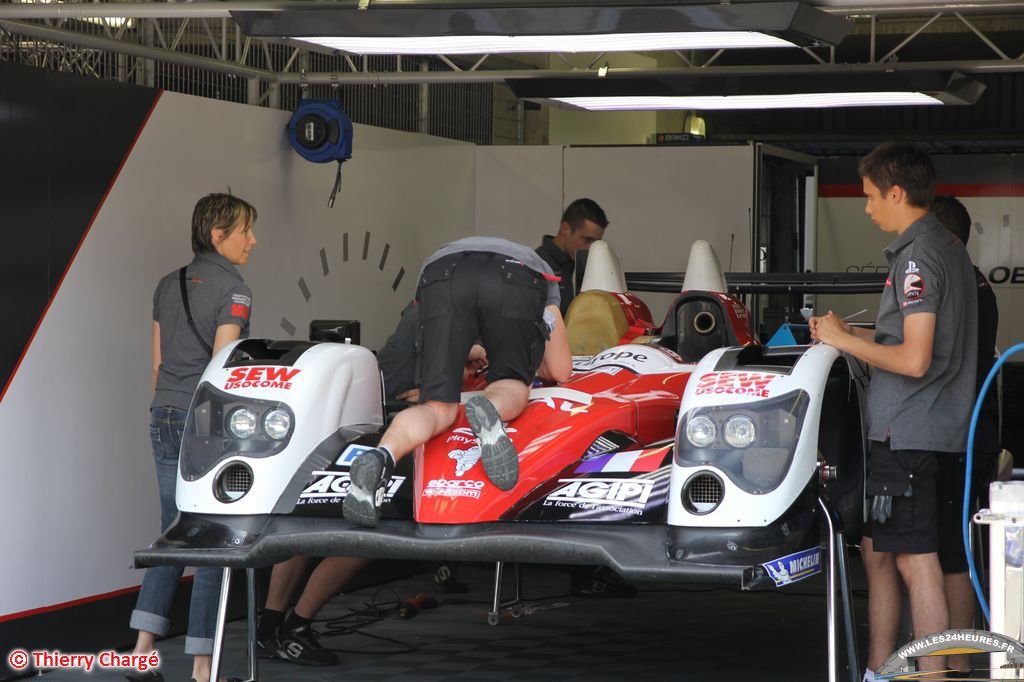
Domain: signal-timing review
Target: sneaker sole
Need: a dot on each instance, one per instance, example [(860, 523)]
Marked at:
[(364, 476), (498, 454), (307, 661)]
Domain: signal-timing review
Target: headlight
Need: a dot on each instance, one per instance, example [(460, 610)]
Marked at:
[(276, 423), (242, 423), (700, 431), (739, 431), (221, 425), (757, 440)]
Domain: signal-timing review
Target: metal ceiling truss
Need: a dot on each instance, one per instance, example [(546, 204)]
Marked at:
[(202, 35), (198, 48)]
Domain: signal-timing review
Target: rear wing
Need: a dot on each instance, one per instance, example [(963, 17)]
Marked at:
[(768, 282)]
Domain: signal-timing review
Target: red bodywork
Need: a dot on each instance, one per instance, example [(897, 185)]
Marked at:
[(638, 317), (633, 390)]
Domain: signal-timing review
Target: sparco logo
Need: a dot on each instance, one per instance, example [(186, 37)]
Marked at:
[(450, 487), (261, 377), (617, 491)]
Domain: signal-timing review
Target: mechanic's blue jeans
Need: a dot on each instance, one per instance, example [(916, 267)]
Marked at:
[(153, 608)]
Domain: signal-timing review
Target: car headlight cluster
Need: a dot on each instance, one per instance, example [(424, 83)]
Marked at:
[(243, 422), (739, 431), (752, 443), (221, 425)]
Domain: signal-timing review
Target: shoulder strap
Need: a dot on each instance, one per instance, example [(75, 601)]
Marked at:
[(188, 311)]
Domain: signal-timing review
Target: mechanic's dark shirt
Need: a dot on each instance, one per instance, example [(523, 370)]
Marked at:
[(986, 436), (562, 265), (216, 296), (397, 358), (929, 271)]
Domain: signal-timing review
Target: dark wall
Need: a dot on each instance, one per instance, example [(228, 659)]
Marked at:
[(63, 137)]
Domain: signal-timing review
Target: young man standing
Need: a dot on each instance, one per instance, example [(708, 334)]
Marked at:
[(583, 223), (923, 353)]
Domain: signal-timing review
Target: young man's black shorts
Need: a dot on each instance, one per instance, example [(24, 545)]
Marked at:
[(478, 296), (914, 525)]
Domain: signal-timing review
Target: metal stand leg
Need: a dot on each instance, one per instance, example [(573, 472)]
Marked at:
[(495, 613), (250, 581), (218, 632), (515, 605), (837, 586)]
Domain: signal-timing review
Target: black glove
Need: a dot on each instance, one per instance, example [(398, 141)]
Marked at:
[(886, 480), (881, 505)]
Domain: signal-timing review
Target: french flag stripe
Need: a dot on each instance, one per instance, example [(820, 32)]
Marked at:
[(621, 461)]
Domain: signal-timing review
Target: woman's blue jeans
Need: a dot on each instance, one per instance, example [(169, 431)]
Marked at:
[(153, 608)]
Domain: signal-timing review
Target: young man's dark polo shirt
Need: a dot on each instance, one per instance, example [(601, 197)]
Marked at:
[(929, 271)]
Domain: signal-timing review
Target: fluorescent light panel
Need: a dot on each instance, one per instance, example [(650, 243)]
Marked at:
[(816, 100), (607, 42)]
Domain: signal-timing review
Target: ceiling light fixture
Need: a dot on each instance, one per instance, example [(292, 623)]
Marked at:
[(815, 100), (603, 42), (442, 27), (707, 91)]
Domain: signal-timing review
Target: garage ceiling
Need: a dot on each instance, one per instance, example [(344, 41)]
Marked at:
[(984, 38)]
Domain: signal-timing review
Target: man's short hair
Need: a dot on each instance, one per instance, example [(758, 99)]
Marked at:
[(217, 212), (584, 209), (901, 164), (953, 216)]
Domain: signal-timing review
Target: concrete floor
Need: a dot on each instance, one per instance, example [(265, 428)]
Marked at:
[(687, 634)]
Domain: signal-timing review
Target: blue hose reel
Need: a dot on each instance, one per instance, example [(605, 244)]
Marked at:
[(321, 131)]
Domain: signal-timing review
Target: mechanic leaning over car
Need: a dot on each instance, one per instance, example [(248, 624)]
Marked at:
[(583, 223), (197, 310), (952, 557), (923, 354), (476, 288)]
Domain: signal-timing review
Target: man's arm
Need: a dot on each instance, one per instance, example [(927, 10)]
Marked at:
[(557, 363), (911, 358)]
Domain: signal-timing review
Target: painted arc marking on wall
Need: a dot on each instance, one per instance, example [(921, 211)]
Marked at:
[(289, 327)]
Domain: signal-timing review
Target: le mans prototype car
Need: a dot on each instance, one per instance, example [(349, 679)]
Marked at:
[(690, 454)]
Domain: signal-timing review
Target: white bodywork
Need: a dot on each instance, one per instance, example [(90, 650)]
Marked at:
[(739, 507), (329, 386), (603, 271), (703, 271)]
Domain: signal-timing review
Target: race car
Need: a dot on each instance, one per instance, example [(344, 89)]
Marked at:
[(697, 456)]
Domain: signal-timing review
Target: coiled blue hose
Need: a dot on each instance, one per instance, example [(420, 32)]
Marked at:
[(978, 590)]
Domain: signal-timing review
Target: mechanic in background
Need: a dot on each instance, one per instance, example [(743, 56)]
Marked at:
[(952, 555), (583, 223), (923, 354), (197, 310), (483, 288)]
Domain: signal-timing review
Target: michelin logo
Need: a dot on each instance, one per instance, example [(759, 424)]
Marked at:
[(793, 567)]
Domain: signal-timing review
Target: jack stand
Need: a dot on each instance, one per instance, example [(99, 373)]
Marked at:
[(515, 605)]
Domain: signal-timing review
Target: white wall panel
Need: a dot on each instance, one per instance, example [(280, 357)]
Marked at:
[(659, 200), (519, 192), (77, 410)]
